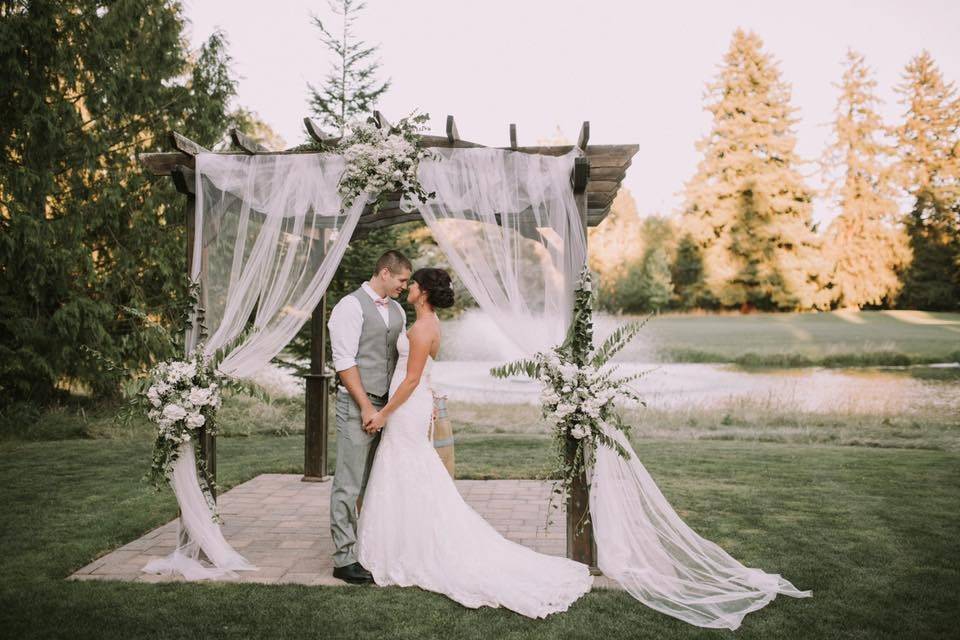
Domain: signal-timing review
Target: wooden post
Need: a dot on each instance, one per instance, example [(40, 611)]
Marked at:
[(183, 178), (317, 428), (580, 543)]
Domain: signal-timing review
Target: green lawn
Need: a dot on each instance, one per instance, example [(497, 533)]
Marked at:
[(791, 339), (871, 531)]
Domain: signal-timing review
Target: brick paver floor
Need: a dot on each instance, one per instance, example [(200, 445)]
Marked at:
[(282, 525)]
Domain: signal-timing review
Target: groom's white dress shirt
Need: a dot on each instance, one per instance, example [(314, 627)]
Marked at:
[(346, 324)]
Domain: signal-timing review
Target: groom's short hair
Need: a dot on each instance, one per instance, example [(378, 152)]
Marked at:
[(395, 261)]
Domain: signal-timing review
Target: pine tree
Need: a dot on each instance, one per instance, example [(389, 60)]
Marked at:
[(86, 237), (749, 157), (351, 88), (687, 275), (929, 171), (866, 245), (656, 286)]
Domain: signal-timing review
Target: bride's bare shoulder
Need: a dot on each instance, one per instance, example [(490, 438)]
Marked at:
[(424, 330)]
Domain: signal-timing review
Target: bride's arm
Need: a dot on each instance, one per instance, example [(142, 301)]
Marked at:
[(420, 341)]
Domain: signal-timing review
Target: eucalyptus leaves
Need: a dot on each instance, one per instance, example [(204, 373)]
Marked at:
[(383, 160), (580, 388)]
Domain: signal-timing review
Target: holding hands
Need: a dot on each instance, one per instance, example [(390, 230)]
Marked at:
[(374, 422)]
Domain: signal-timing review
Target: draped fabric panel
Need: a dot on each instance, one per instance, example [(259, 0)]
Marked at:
[(269, 236), (509, 225), (645, 546)]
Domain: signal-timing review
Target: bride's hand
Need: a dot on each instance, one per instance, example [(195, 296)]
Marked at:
[(376, 422)]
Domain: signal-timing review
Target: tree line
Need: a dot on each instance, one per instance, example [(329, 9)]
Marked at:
[(745, 238)]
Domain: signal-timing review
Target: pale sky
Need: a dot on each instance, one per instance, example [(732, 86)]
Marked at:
[(636, 70)]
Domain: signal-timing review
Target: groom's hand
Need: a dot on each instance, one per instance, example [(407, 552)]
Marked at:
[(366, 414)]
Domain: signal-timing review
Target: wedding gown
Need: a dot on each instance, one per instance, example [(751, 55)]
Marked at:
[(416, 530)]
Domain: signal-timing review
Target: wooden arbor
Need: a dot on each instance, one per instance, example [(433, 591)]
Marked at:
[(595, 180)]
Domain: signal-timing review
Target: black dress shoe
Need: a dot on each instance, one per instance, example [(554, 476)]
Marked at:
[(353, 573)]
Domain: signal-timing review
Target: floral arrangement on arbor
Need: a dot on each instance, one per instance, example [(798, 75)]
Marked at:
[(183, 396), (580, 388), (382, 160)]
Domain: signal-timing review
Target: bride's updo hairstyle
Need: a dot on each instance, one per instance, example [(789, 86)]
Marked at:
[(436, 283)]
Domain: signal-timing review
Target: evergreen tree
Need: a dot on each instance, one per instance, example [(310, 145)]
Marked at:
[(866, 245), (929, 170), (87, 239), (687, 274), (749, 157), (655, 285), (351, 88)]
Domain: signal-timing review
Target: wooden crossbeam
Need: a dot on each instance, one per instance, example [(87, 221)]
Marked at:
[(319, 135), (186, 145), (452, 134), (161, 164), (581, 174), (584, 136), (184, 179), (245, 142), (382, 122), (513, 136)]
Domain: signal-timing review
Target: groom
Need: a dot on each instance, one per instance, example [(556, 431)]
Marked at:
[(364, 327)]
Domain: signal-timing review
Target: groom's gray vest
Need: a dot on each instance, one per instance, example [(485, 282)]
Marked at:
[(377, 352)]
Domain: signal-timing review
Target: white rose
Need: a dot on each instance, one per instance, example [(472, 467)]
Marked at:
[(174, 412), (195, 420), (579, 432), (199, 397)]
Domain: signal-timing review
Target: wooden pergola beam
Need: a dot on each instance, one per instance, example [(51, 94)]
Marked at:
[(581, 174), (245, 142), (324, 139), (185, 145), (584, 136), (184, 179), (453, 135), (382, 122)]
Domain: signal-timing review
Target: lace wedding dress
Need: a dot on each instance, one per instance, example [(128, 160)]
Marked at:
[(416, 530)]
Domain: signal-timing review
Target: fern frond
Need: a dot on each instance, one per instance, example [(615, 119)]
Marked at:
[(526, 367)]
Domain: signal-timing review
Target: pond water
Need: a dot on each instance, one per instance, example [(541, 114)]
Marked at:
[(472, 346), (670, 386)]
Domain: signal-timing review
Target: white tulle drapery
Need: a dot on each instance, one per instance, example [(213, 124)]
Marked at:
[(509, 225), (269, 237), (644, 545)]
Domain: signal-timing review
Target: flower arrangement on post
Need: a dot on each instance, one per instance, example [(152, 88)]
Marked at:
[(381, 160), (580, 389), (181, 397)]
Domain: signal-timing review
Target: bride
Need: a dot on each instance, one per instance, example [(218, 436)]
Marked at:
[(414, 528)]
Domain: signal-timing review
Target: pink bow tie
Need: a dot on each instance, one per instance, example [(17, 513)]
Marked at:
[(380, 302)]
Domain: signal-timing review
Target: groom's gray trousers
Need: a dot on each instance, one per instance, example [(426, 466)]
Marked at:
[(355, 451)]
